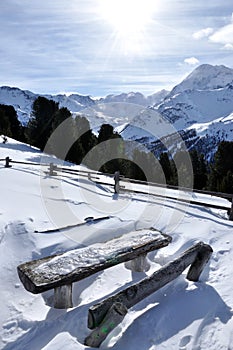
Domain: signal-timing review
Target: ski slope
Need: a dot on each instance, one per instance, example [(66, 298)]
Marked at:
[(182, 315)]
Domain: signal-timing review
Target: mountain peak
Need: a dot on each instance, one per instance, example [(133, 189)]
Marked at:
[(206, 77)]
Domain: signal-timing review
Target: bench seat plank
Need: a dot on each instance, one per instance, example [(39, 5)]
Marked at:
[(51, 272)]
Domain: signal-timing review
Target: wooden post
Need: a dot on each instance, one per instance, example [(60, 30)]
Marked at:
[(202, 258), (231, 211), (63, 297), (117, 182), (140, 264), (139, 291), (7, 165), (114, 316), (52, 167)]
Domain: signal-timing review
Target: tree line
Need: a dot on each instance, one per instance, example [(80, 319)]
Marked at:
[(108, 152)]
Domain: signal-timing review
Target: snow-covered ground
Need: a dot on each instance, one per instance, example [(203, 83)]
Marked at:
[(182, 315)]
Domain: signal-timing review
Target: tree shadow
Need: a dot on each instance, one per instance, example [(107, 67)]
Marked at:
[(19, 147)]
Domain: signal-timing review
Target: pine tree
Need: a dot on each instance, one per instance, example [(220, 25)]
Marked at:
[(83, 141), (222, 168), (199, 170), (9, 123), (168, 168), (61, 137), (184, 169), (5, 128), (226, 184), (39, 127), (59, 117), (114, 152)]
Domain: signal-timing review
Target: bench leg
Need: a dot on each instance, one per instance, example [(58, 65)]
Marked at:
[(140, 264), (114, 316), (63, 297), (199, 263)]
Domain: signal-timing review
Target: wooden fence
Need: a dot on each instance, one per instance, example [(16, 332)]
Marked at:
[(120, 182)]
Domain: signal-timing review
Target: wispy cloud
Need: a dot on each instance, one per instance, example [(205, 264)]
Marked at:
[(192, 61), (203, 33), (228, 47), (224, 35)]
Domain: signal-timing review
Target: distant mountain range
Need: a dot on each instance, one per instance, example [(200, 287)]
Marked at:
[(22, 100), (200, 108)]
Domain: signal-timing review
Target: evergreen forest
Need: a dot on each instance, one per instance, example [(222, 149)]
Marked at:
[(106, 150)]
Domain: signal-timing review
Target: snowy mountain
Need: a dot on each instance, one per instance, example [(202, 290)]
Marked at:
[(205, 77), (181, 315), (23, 100), (199, 109), (136, 98), (200, 97), (203, 103)]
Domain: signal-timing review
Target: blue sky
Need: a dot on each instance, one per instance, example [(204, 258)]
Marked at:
[(98, 47)]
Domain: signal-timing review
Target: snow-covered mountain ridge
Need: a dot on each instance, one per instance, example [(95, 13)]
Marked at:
[(205, 77), (203, 102), (22, 100), (205, 95), (200, 109), (201, 105)]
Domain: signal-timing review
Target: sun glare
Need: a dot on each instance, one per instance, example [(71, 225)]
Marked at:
[(128, 18)]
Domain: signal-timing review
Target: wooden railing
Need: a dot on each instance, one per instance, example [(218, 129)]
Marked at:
[(120, 185)]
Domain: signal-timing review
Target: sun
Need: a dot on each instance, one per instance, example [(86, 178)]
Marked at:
[(128, 18)]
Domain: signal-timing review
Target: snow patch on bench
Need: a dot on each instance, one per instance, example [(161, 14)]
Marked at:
[(96, 254)]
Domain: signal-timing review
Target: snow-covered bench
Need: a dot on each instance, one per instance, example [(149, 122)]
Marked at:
[(58, 272)]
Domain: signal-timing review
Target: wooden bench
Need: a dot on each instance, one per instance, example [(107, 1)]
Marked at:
[(107, 314), (58, 272)]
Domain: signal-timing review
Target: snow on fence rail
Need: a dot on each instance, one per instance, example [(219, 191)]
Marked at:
[(95, 176)]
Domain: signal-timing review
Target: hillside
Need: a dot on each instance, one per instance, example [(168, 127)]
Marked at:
[(184, 315)]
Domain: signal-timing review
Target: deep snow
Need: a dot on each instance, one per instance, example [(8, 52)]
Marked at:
[(182, 315)]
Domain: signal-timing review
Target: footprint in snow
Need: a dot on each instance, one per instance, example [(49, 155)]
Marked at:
[(184, 341)]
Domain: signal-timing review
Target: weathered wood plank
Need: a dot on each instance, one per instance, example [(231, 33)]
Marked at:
[(196, 256), (51, 272), (114, 316)]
